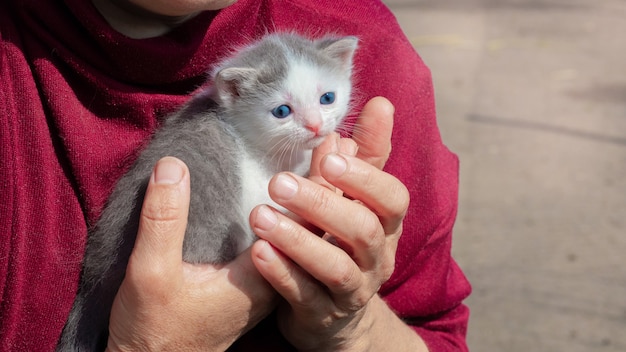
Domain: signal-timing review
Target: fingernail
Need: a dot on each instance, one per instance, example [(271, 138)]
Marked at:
[(286, 186), (334, 165), (168, 171), (266, 219)]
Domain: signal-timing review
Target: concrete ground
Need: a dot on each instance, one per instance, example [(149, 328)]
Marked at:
[(532, 96)]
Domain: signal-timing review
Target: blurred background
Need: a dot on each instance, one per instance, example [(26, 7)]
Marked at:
[(532, 97)]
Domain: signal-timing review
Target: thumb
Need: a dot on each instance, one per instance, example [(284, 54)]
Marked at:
[(158, 247), (372, 131)]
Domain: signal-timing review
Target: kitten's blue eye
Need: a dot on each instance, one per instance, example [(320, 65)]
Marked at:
[(282, 111), (327, 98)]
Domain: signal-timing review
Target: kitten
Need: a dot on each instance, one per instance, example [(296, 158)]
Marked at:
[(269, 106)]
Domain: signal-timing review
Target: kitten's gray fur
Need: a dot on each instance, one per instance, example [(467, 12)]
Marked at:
[(210, 134)]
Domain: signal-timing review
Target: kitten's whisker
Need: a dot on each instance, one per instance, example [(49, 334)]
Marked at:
[(278, 150), (356, 131)]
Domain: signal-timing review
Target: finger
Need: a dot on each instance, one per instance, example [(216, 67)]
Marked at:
[(321, 260), (332, 144), (329, 145), (372, 131), (347, 146), (383, 193), (287, 278), (158, 247), (357, 230)]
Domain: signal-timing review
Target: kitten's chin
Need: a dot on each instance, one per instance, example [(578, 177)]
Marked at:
[(314, 142)]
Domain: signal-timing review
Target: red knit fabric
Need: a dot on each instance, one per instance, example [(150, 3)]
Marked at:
[(77, 99)]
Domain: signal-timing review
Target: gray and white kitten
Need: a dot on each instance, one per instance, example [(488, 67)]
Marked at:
[(269, 106)]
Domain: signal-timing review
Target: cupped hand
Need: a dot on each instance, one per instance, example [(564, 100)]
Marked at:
[(165, 304), (330, 283)]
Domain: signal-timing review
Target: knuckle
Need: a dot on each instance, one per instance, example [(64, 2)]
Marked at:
[(372, 234), (298, 238), (161, 206), (359, 300), (162, 213), (345, 278), (320, 200), (387, 269), (400, 201), (158, 226), (354, 302), (395, 208), (283, 278), (369, 179), (308, 299)]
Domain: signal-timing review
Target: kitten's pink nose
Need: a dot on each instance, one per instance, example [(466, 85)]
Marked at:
[(313, 127)]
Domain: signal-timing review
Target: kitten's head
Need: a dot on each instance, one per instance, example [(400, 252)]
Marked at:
[(286, 93)]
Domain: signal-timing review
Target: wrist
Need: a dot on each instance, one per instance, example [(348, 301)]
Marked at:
[(356, 335), (362, 332), (380, 329)]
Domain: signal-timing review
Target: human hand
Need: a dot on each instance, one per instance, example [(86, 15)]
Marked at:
[(165, 304), (330, 287)]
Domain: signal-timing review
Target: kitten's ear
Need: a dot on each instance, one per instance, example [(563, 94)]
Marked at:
[(233, 82), (341, 48)]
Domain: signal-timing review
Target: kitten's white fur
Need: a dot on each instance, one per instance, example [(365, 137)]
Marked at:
[(305, 84)]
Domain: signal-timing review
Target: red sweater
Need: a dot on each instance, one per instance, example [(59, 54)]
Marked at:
[(77, 99)]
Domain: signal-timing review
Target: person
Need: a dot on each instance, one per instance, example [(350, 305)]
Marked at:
[(84, 85)]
